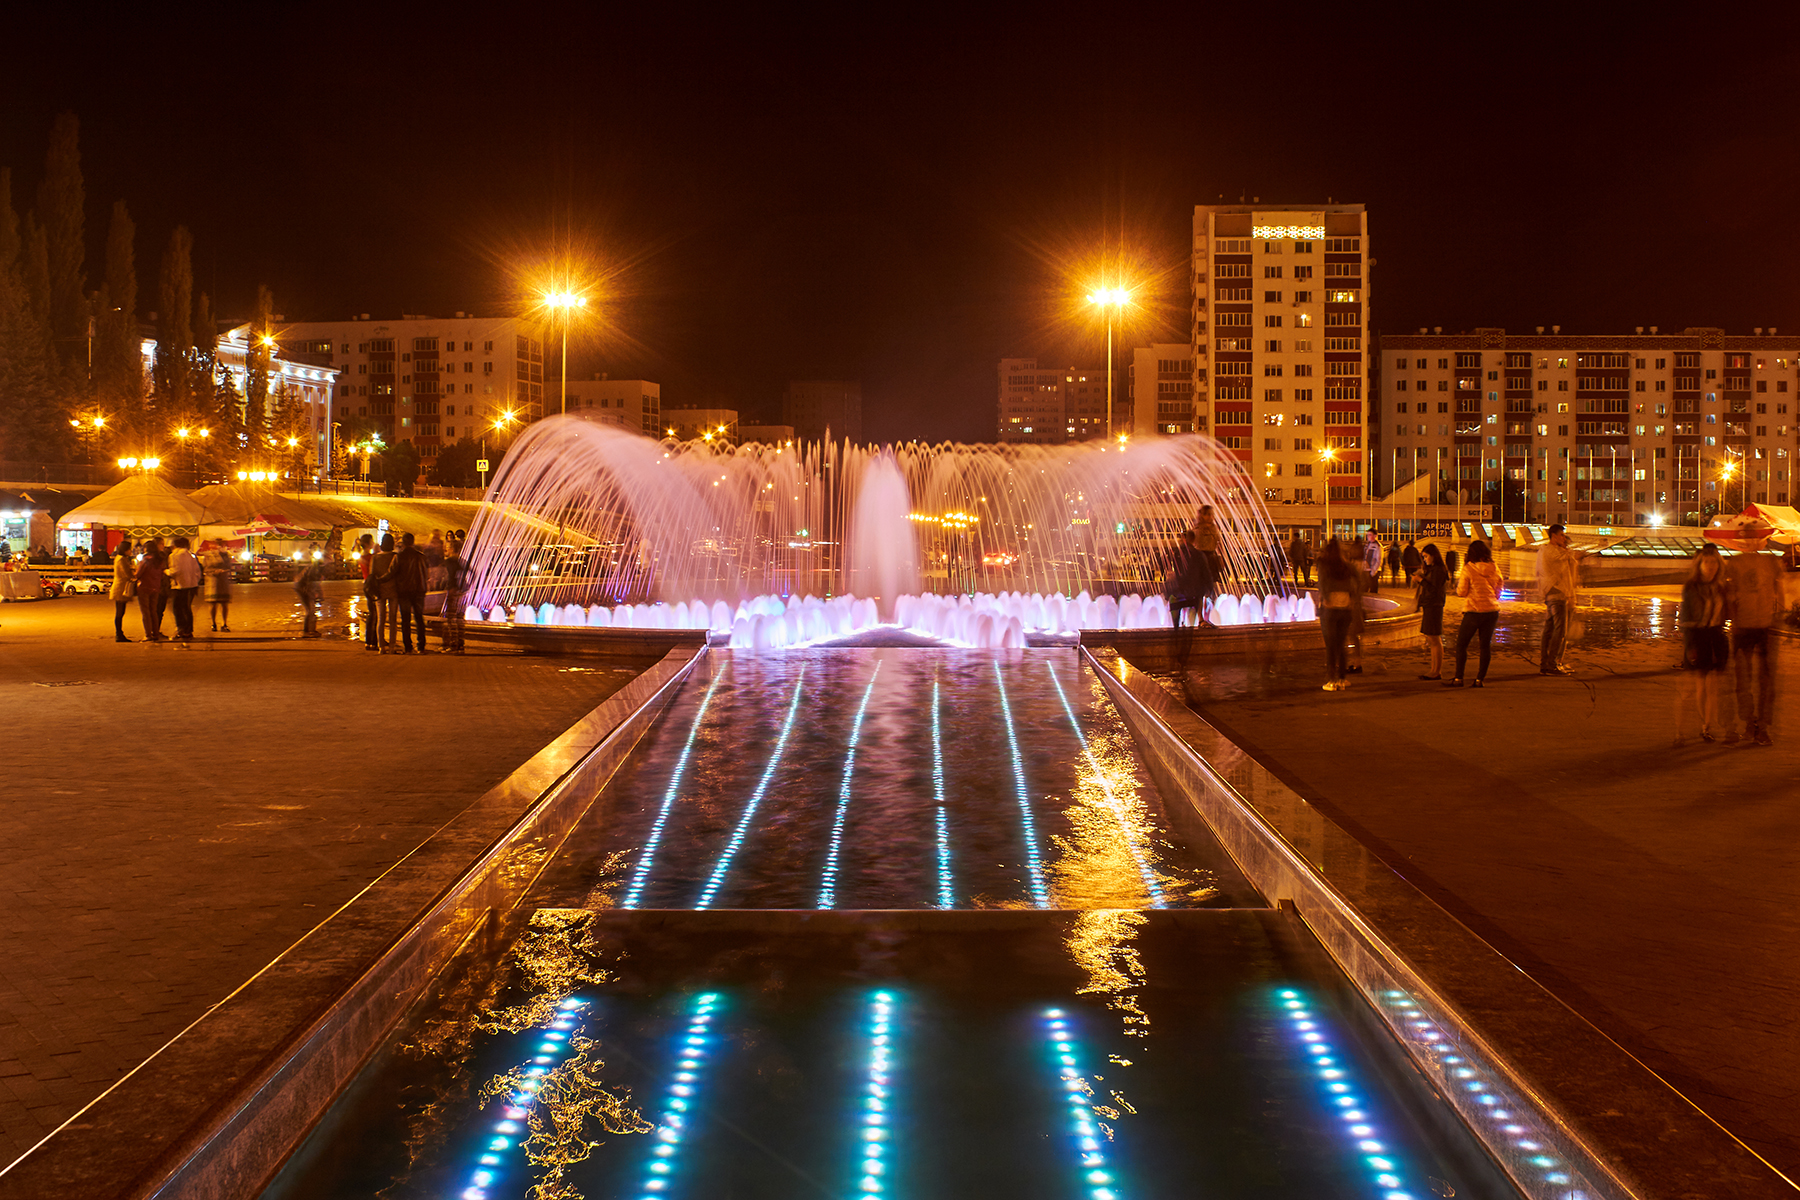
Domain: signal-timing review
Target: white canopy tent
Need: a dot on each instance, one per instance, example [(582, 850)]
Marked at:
[(141, 506)]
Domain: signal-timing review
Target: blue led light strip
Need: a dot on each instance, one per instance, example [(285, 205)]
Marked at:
[(723, 866), (1065, 1051), (946, 885), (828, 887), (1151, 883), (690, 1069), (877, 1097), (1343, 1096), (1040, 894), (518, 1106), (640, 875)]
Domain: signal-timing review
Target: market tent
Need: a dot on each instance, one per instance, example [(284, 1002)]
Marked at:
[(258, 510), (141, 506)]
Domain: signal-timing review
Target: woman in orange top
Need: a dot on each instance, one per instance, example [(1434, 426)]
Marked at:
[(1479, 585)]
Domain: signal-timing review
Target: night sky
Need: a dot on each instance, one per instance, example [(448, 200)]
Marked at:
[(904, 194)]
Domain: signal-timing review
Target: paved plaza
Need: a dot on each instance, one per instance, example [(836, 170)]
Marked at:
[(175, 817), (1652, 888)]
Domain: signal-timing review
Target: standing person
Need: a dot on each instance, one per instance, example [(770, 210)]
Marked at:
[(1410, 559), (1480, 586), (1703, 633), (1432, 579), (1558, 575), (1300, 557), (1337, 594), (219, 572), (1206, 540), (1371, 553), (309, 588), (457, 579), (1450, 562), (1189, 580), (184, 583), (387, 596), (1393, 561), (411, 571), (434, 561), (1755, 603), (151, 586), (365, 558), (124, 587)]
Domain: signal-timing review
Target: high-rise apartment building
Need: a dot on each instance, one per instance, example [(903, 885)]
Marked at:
[(1039, 404), (1643, 429), (634, 404), (1160, 391), (427, 380), (1281, 301), (820, 407)]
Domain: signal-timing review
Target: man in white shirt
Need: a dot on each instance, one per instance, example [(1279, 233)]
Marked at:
[(1559, 574), (184, 580)]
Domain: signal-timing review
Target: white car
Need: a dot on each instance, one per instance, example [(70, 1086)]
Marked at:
[(78, 587)]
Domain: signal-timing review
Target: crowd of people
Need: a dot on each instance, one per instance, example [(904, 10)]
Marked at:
[(158, 578), (396, 579)]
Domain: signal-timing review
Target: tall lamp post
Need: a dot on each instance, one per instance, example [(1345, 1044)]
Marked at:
[(1327, 456), (1112, 301), (502, 423), (565, 303)]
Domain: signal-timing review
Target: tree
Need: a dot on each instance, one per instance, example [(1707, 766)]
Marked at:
[(290, 431), (398, 467), (259, 408), (61, 206), (455, 464), (33, 410), (118, 383), (174, 335)]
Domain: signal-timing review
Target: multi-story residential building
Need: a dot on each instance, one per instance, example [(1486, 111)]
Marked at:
[(634, 404), (1643, 429), (817, 408), (309, 378), (427, 380), (1046, 405), (1281, 301), (1160, 391)]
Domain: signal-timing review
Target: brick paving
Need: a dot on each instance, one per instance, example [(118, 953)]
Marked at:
[(171, 819), (1655, 889)]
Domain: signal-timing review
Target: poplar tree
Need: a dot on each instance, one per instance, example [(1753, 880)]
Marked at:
[(33, 420), (118, 355), (259, 414), (62, 200), (174, 337)]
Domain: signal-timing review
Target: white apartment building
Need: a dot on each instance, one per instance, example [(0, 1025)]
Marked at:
[(1160, 390), (427, 380), (1281, 300), (634, 404), (1039, 404), (1644, 429)]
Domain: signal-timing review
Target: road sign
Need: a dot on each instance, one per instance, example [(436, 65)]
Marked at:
[(481, 464)]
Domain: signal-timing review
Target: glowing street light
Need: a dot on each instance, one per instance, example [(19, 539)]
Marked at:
[(1327, 456), (1112, 301), (566, 303)]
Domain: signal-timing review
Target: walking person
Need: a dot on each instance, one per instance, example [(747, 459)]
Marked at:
[(1558, 572), (219, 572), (365, 559), (411, 572), (1410, 559), (1703, 636), (309, 587), (1189, 580), (1393, 561), (124, 587), (1371, 554), (458, 577), (152, 585), (387, 596), (184, 583), (1432, 580), (1300, 557), (1337, 594), (1206, 540), (1480, 587), (1755, 603)]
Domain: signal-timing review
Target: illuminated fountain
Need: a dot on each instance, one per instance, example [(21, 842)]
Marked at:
[(586, 524)]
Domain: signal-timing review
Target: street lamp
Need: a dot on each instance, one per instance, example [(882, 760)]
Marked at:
[(1725, 474), (1327, 456), (1112, 301), (566, 303), (501, 424)]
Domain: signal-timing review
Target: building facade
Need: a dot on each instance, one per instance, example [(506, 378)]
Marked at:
[(1160, 391), (634, 404), (1280, 307), (427, 380), (1045, 405), (1644, 429), (817, 408)]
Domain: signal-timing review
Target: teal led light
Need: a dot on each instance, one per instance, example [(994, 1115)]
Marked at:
[(692, 1056), (874, 1117), (1343, 1097), (1151, 884), (828, 887), (1040, 894), (946, 885), (518, 1105), (1097, 1177), (723, 866), (640, 875)]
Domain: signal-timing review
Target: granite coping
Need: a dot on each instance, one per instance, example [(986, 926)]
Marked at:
[(1596, 1121), (215, 1111)]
